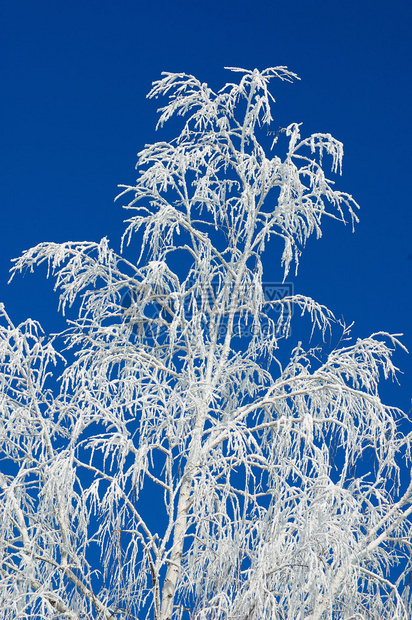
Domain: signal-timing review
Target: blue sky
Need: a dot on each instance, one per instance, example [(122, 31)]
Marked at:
[(73, 115)]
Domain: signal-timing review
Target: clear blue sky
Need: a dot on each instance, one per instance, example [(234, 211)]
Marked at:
[(73, 115)]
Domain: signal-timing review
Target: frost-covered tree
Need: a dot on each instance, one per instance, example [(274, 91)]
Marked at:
[(160, 458)]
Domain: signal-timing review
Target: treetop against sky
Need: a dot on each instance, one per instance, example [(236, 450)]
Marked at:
[(156, 460)]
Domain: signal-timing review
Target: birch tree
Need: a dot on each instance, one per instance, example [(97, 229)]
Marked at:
[(170, 455)]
